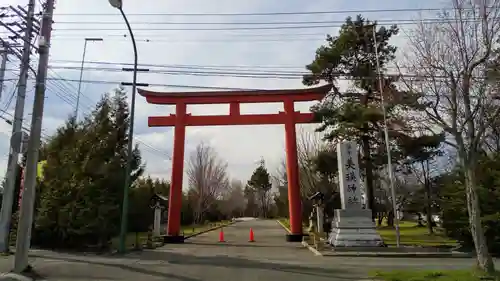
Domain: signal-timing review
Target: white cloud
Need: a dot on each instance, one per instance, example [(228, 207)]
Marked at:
[(241, 146)]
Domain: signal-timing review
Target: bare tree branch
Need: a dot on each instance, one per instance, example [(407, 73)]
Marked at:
[(207, 177), (451, 60), (309, 144)]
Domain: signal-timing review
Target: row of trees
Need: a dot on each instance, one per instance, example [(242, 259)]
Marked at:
[(440, 101), (212, 193), (441, 107), (78, 202)]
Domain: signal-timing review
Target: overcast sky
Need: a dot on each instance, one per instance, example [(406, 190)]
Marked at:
[(255, 50)]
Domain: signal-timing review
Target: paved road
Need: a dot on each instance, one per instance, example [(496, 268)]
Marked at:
[(203, 258)]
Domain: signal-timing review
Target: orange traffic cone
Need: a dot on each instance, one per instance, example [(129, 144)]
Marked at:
[(251, 239), (221, 235)]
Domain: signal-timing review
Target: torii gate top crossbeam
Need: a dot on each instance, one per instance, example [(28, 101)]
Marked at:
[(240, 96)]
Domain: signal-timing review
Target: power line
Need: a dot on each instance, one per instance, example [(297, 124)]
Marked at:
[(62, 89), (270, 13), (176, 42), (69, 97), (25, 126), (274, 39), (184, 66), (66, 91), (195, 72), (293, 27), (170, 37), (8, 79), (201, 29), (51, 85), (216, 87), (159, 85), (240, 73), (340, 22), (299, 70), (11, 97)]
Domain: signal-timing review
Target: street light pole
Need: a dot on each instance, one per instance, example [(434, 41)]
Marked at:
[(81, 72), (388, 147), (128, 169)]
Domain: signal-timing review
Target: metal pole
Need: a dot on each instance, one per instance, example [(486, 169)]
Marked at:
[(80, 81), (128, 169), (28, 197), (81, 73), (12, 169), (3, 64), (388, 147)]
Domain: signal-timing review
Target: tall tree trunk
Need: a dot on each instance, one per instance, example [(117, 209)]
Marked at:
[(484, 259)]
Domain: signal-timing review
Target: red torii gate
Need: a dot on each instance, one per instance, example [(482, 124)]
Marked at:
[(181, 119)]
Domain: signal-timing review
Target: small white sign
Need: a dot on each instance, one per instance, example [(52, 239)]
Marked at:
[(349, 177)]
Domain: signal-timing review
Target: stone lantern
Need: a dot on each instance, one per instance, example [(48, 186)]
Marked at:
[(158, 203)]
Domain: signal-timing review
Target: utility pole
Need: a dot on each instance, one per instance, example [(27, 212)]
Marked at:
[(3, 64), (28, 198), (12, 170)]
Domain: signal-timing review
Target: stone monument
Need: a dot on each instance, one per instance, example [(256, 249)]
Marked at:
[(352, 225)]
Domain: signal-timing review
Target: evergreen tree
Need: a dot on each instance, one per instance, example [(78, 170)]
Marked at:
[(80, 203), (58, 174), (358, 115), (281, 201), (261, 184), (453, 203), (141, 212), (420, 151), (251, 208)]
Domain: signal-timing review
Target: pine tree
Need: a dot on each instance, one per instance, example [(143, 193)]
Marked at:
[(419, 151), (141, 213), (52, 216), (261, 184), (251, 207), (358, 115), (81, 201)]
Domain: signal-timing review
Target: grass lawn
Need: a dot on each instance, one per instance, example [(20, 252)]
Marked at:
[(187, 230), (286, 223), (411, 235), (193, 229), (435, 275)]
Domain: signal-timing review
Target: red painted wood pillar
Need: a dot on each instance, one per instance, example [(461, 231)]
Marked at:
[(175, 198), (292, 170)]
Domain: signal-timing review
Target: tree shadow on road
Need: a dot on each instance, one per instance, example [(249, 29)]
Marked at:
[(76, 259), (236, 262), (247, 245), (218, 261)]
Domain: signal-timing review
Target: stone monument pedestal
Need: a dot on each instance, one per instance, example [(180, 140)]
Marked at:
[(352, 225), (354, 228)]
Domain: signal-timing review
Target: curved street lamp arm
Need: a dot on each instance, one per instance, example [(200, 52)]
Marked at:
[(128, 168)]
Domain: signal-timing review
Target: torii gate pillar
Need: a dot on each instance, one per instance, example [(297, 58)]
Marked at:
[(181, 119)]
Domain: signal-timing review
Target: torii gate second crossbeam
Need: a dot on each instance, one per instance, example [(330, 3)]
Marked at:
[(181, 119)]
